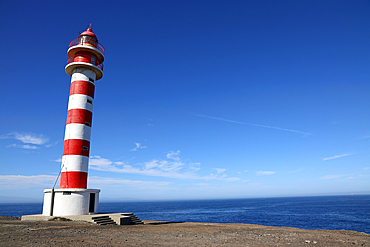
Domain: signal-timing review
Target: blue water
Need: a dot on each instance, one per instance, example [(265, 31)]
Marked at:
[(324, 212)]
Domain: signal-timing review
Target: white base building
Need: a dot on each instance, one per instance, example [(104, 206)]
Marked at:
[(63, 202)]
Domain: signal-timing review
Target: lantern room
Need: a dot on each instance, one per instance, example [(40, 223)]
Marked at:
[(85, 51), (88, 38)]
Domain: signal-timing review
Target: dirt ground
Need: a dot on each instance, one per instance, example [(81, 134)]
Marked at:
[(14, 232)]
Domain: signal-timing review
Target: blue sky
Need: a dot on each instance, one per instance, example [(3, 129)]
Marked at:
[(199, 99)]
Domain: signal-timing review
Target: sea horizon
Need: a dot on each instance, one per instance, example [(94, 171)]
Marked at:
[(128, 199), (334, 212)]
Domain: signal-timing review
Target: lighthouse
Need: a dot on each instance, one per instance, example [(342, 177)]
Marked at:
[(85, 66)]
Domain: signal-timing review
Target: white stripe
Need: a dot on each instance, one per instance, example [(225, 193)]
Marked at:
[(83, 74), (75, 163), (77, 131), (79, 101)]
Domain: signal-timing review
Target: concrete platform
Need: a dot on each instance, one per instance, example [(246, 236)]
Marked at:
[(101, 219)]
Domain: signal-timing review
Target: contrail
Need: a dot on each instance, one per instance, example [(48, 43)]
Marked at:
[(251, 124)]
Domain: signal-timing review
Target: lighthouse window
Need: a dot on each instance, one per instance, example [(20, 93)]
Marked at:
[(88, 39), (87, 124), (91, 79), (93, 59), (66, 193), (89, 101), (85, 148)]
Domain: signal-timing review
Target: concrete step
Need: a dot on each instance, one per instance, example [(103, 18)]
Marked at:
[(110, 219), (134, 219), (103, 220)]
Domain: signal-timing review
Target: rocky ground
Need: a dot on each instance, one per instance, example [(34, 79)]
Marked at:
[(14, 232)]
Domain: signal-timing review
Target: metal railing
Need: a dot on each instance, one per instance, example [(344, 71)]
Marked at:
[(77, 42), (100, 66)]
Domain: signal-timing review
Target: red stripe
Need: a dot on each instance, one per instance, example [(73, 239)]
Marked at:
[(75, 147), (75, 180), (82, 56), (80, 116), (82, 87)]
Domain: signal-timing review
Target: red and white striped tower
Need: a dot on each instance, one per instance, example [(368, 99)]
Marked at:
[(85, 66)]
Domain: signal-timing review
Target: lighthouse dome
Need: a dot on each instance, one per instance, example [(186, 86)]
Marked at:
[(88, 37)]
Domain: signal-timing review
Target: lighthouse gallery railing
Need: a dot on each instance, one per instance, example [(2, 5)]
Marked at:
[(77, 42), (100, 66)]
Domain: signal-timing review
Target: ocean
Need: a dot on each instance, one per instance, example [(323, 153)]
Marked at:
[(320, 212)]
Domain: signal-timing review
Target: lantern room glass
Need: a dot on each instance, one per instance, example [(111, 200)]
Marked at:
[(87, 40)]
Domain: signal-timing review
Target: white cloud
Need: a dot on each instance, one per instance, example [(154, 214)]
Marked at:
[(27, 139), (173, 155), (299, 170), (101, 164), (251, 124), (21, 181), (30, 138), (346, 176), (366, 168), (46, 181), (231, 179), (138, 146), (336, 157), (201, 184), (107, 181), (29, 146), (219, 170), (358, 176), (245, 170), (7, 136), (22, 146), (265, 173), (332, 176), (171, 167)]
